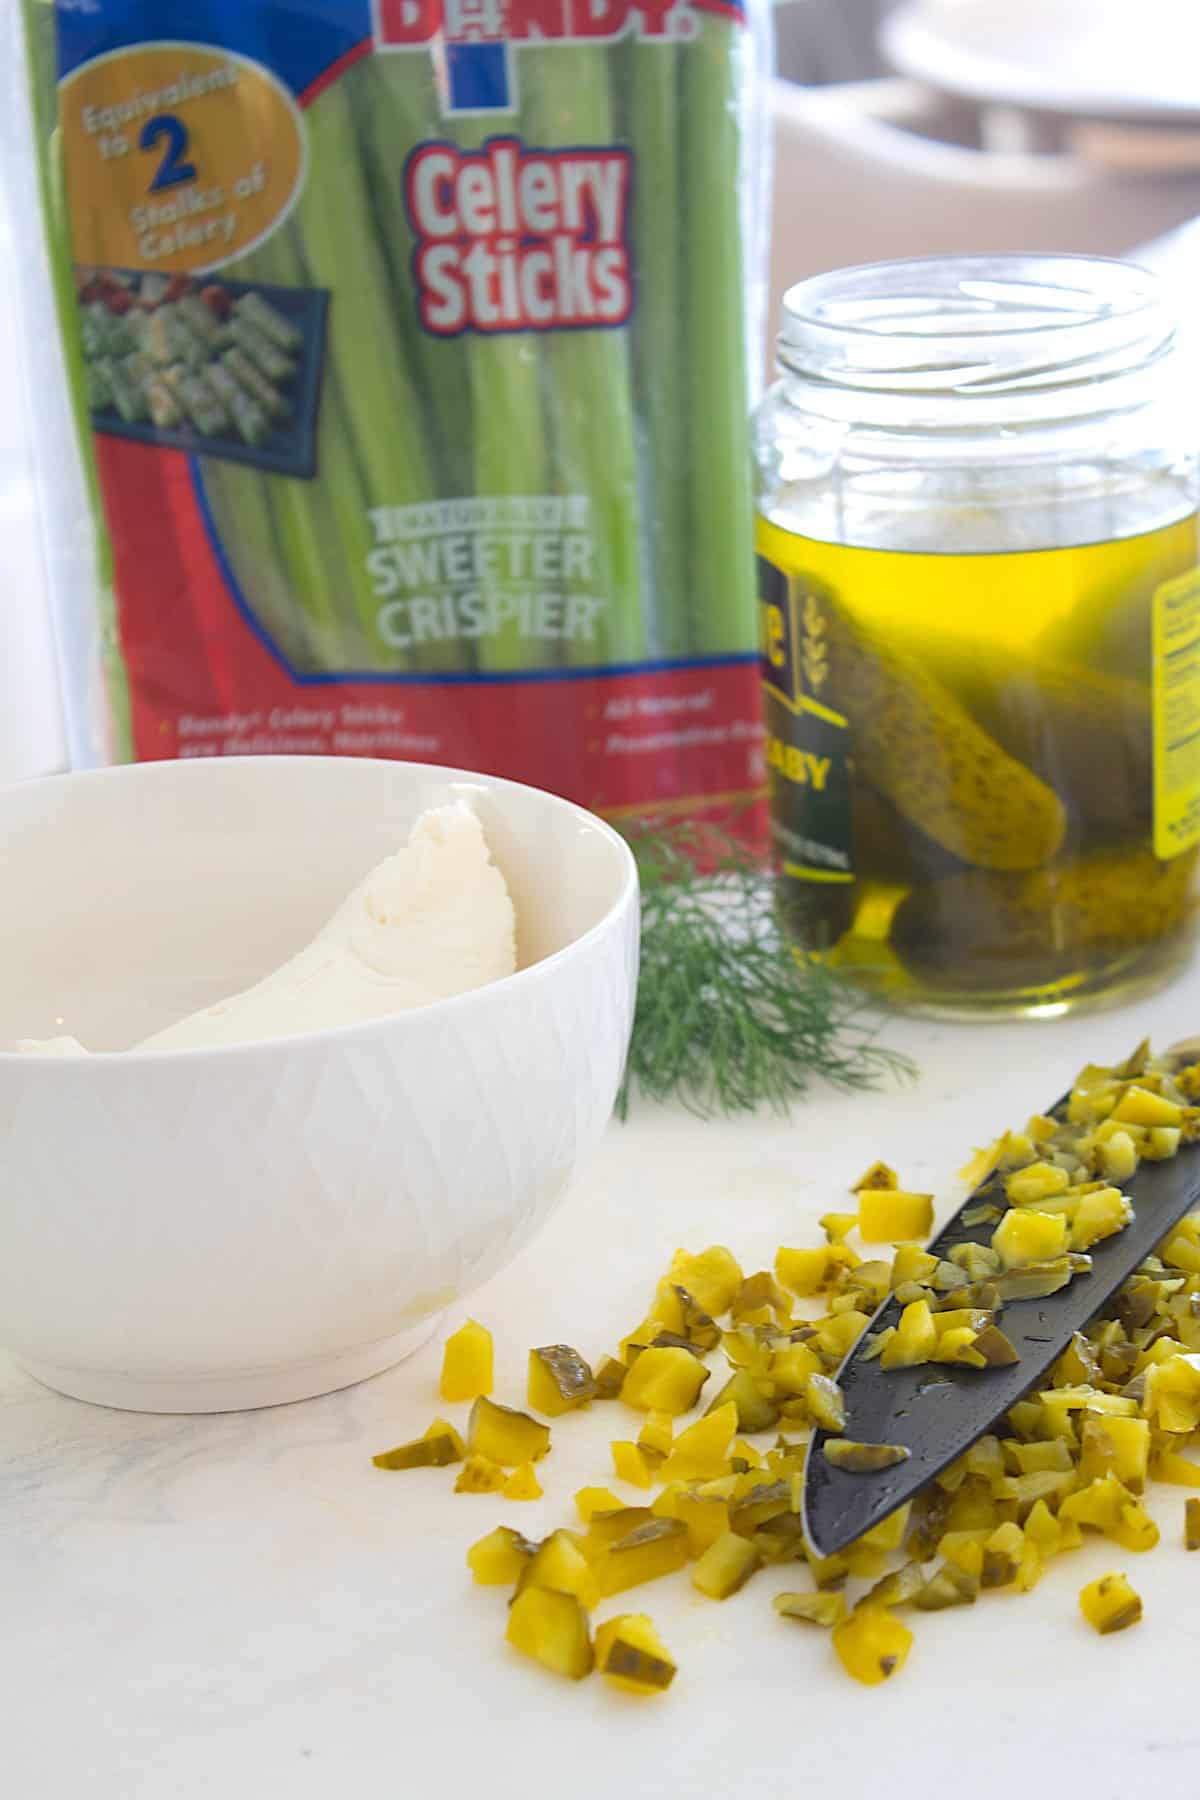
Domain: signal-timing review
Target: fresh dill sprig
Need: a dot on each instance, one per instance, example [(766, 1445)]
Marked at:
[(728, 1017)]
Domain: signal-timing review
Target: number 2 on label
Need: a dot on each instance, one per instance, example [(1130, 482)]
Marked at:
[(171, 170)]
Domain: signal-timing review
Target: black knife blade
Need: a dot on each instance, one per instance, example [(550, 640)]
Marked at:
[(938, 1410)]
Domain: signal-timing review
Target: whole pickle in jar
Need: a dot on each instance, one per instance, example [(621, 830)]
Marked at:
[(920, 747), (1086, 732), (1111, 900), (889, 847), (815, 915), (891, 857)]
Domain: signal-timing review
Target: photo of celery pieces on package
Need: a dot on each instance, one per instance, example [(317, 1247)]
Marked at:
[(453, 305), (204, 365)]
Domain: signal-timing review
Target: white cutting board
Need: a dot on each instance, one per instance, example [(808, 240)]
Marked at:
[(242, 1606)]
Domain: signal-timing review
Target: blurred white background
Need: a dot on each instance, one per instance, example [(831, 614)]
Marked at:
[(819, 41), (921, 127)]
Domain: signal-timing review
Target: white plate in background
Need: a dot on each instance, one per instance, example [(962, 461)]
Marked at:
[(1109, 59)]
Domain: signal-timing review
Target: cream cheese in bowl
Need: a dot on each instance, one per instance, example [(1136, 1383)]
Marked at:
[(434, 920), (328, 1095)]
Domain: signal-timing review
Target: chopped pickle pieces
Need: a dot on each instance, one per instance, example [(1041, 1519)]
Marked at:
[(703, 1516), (951, 1585), (825, 1402), (608, 1528), (1181, 1252), (726, 1566), (915, 1340), (762, 1503), (657, 1434), (996, 1350), (1180, 1471), (559, 1563), (505, 1435), (837, 1226), (1138, 1106), (814, 1609), (891, 1532), (1002, 1555), (467, 1363), (1110, 1604), (958, 1346), (755, 1408), (633, 1656), (965, 1550), (890, 1216), (680, 1313), (712, 1278), (559, 1379), (552, 1628), (631, 1463), (1122, 1445), (480, 1475), (1099, 1215), (1035, 1282), (609, 1378), (871, 1645), (873, 1279), (978, 1261), (1101, 1505), (744, 1456), (758, 1292), (912, 1264), (1119, 1408), (899, 1588), (840, 1331), (657, 1548), (671, 1340), (787, 1372), (803, 1272), (1025, 1236), (1135, 1529), (702, 1450), (593, 1500), (1044, 1531), (864, 1459), (698, 1327), (1035, 1183), (879, 1175), (639, 1339), (1172, 1399), (522, 1484), (664, 1379), (499, 1559), (1191, 1524), (440, 1445), (1116, 1156)]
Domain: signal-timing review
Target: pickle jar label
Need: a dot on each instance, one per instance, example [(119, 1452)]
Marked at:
[(1177, 715), (807, 740)]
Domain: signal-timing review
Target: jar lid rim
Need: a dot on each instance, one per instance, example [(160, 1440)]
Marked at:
[(975, 322)]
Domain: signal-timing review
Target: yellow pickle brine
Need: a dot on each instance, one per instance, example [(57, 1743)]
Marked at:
[(980, 631)]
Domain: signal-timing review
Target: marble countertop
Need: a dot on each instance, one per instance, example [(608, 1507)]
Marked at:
[(241, 1605)]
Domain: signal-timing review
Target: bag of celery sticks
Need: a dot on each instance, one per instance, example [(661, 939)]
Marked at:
[(410, 345)]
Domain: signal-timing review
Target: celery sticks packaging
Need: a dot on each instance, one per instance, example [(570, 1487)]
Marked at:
[(408, 345)]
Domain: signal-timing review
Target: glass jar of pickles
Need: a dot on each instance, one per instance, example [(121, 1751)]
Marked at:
[(980, 609)]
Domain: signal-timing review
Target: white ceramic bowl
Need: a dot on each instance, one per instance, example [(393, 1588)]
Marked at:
[(215, 1229)]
